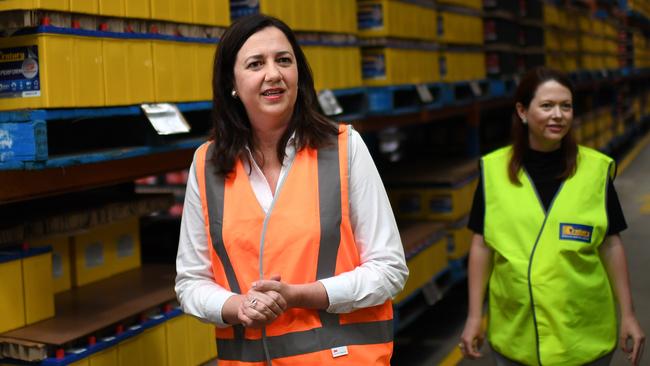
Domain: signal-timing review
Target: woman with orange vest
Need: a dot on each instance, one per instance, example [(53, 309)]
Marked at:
[(288, 242), (547, 220)]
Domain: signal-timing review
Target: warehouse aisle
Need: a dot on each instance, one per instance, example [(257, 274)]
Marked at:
[(432, 340)]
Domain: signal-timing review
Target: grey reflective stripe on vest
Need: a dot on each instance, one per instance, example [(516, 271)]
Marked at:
[(214, 188), (298, 343), (329, 192)]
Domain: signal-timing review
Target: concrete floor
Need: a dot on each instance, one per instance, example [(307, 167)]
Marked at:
[(434, 336)]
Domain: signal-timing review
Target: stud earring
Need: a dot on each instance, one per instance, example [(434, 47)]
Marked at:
[(524, 121), (233, 93)]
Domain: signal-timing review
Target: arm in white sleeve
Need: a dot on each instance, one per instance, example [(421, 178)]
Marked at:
[(383, 271), (195, 288)]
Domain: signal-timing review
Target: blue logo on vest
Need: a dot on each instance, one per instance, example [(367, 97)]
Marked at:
[(576, 232)]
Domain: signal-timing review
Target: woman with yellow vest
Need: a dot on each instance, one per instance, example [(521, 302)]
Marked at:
[(547, 220), (288, 242)]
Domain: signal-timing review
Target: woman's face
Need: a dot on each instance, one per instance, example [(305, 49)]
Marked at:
[(266, 78), (549, 116)]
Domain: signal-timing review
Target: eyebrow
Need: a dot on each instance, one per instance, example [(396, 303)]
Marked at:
[(259, 56)]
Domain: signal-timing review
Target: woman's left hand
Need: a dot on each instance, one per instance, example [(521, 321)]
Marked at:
[(630, 330), (275, 285)]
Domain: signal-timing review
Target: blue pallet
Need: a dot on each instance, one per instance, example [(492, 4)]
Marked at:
[(386, 100), (383, 100), (81, 113), (99, 157)]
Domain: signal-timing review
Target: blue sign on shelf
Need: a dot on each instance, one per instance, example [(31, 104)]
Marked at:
[(19, 72)]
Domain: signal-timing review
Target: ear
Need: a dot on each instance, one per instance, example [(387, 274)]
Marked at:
[(521, 111)]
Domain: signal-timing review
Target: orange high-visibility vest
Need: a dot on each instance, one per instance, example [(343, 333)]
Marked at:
[(305, 236)]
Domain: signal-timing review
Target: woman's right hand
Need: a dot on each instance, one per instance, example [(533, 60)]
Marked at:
[(259, 309), (472, 338)]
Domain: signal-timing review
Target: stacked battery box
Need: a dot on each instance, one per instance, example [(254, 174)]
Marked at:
[(398, 42), (598, 44), (460, 35), (562, 40), (514, 36), (326, 31), (73, 54), (596, 128)]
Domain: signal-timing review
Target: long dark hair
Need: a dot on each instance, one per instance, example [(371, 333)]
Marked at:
[(524, 95), (232, 130)]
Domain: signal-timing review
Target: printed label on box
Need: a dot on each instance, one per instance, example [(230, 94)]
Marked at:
[(19, 72), (373, 66), (94, 254), (370, 16), (125, 246)]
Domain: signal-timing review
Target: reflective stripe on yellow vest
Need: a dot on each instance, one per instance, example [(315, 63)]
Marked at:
[(305, 236), (550, 301)]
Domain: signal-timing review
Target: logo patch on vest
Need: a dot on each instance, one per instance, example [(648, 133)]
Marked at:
[(576, 232)]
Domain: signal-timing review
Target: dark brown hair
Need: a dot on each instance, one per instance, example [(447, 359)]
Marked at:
[(231, 129), (524, 95)]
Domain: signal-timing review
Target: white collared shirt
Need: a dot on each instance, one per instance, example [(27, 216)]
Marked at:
[(380, 276)]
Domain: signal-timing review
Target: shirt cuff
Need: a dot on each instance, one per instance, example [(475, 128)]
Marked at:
[(339, 293), (214, 305)]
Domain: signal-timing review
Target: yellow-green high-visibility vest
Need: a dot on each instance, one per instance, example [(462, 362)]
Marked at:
[(550, 300)]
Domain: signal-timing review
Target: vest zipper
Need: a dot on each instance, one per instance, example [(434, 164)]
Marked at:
[(262, 240), (532, 254)]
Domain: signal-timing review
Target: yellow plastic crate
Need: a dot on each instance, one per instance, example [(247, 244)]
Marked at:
[(153, 343), (211, 12), (113, 8), (125, 237), (334, 16), (172, 10), (12, 298), (55, 68), (137, 9), (473, 4), (462, 65), (334, 67), (61, 277), (428, 262), (92, 257), (84, 6), (128, 71), (459, 240), (107, 357), (448, 204), (129, 352), (389, 18), (178, 343), (37, 286), (459, 28), (391, 66), (60, 5), (202, 341)]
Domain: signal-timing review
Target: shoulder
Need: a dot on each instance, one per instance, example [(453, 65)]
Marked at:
[(498, 154), (589, 153)]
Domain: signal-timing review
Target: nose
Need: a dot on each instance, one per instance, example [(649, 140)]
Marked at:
[(273, 73), (557, 112)]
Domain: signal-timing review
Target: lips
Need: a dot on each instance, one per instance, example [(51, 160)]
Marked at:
[(555, 128), (273, 92)]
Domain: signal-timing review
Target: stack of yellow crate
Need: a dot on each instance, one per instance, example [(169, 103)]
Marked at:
[(425, 247), (561, 38), (26, 293), (96, 69), (436, 194), (326, 30), (399, 46), (94, 254), (460, 33), (641, 46), (598, 43), (640, 6)]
